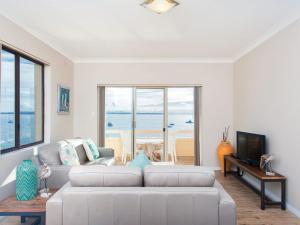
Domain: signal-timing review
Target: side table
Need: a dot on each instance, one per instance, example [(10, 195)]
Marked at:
[(35, 208)]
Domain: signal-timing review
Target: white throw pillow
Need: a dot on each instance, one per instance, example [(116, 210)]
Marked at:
[(68, 155)]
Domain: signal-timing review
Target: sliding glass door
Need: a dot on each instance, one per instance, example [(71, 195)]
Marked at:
[(158, 120), (149, 122), (118, 122), (181, 125)]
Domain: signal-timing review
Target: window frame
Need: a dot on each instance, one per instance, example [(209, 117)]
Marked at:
[(19, 55)]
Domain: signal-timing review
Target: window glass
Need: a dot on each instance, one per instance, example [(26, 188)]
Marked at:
[(31, 121), (21, 101), (7, 100)]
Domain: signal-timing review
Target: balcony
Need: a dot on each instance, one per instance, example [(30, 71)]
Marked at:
[(179, 147)]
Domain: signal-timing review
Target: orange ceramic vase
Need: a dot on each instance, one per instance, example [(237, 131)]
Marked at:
[(224, 148)]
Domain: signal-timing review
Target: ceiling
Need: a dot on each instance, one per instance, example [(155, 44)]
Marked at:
[(104, 30)]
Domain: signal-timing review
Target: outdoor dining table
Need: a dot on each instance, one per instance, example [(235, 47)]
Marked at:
[(151, 146)]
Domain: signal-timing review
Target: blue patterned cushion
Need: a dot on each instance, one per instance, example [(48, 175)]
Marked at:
[(141, 160), (91, 149), (68, 155)]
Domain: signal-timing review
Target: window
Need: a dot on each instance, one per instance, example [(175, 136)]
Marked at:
[(7, 100), (21, 101)]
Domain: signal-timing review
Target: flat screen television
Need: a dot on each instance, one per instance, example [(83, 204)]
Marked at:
[(250, 147)]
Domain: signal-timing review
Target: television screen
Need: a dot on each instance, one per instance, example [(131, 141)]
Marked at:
[(250, 147)]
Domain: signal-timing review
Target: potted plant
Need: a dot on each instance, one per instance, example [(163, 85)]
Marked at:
[(224, 148)]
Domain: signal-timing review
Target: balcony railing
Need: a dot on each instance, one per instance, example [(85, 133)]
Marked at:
[(180, 145)]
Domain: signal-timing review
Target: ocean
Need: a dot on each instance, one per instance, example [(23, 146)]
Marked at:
[(114, 121), (7, 129), (149, 121)]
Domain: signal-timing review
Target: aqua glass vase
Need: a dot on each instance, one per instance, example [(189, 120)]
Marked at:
[(26, 181)]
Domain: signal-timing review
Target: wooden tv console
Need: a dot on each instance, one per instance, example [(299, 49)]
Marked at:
[(262, 177)]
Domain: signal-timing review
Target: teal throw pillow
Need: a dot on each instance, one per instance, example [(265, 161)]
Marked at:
[(141, 160), (91, 149), (94, 148)]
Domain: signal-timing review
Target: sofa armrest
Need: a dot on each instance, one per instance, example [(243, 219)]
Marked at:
[(106, 152), (227, 207), (54, 207), (59, 176), (35, 160)]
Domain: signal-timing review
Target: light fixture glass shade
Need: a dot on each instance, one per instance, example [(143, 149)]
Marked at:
[(159, 6)]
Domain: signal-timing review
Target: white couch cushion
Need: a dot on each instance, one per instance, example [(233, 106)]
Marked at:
[(178, 176), (49, 154), (105, 176), (141, 206)]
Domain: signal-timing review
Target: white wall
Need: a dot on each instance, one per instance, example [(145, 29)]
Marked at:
[(60, 71), (217, 98), (267, 101)]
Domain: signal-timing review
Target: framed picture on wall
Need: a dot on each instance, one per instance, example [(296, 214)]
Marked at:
[(63, 100)]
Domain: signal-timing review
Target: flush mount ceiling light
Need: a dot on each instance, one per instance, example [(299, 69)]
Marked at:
[(159, 6)]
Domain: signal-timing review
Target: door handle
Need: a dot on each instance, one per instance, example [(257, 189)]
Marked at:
[(164, 129)]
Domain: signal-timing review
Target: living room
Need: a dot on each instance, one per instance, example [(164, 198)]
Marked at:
[(160, 79)]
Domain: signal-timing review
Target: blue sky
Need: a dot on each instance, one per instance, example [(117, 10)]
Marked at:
[(8, 83), (180, 100)]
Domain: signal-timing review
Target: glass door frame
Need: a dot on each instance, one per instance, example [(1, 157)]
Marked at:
[(197, 115), (165, 118)]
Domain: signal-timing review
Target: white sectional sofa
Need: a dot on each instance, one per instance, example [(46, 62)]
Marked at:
[(159, 195), (49, 154)]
